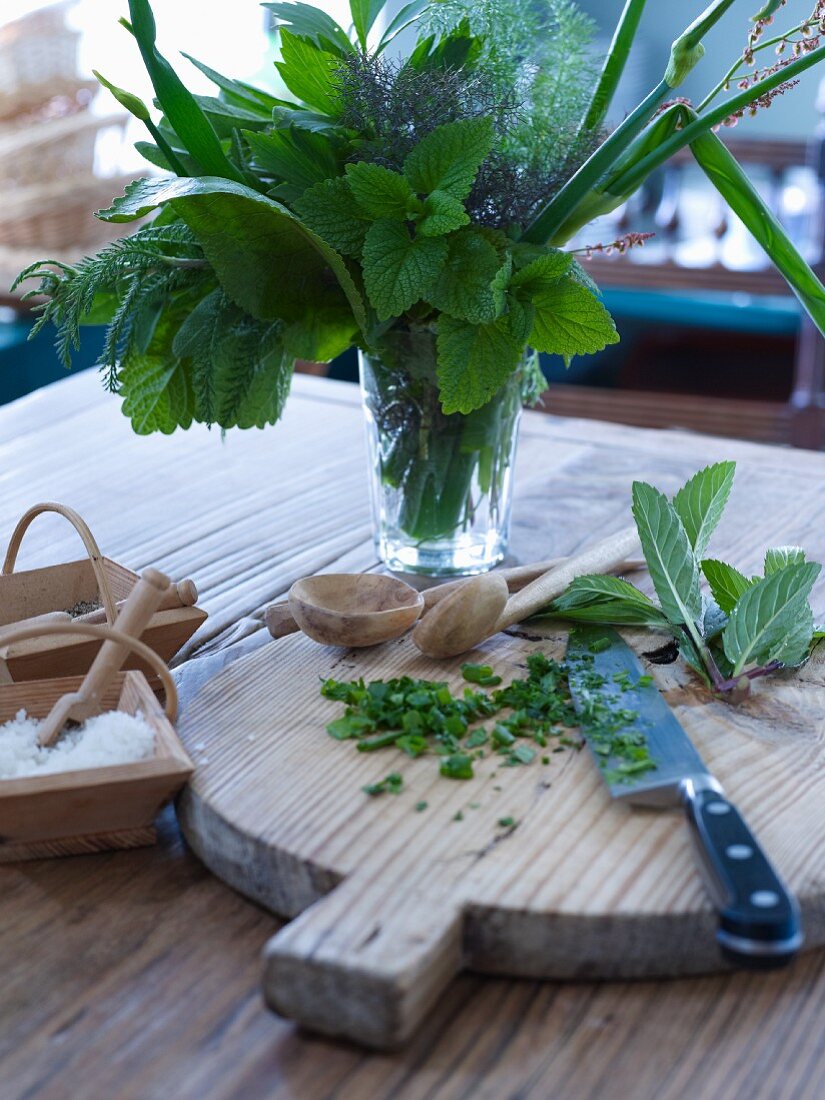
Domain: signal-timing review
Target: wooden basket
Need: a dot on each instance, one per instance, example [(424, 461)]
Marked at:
[(35, 592), (57, 149), (59, 213), (94, 809)]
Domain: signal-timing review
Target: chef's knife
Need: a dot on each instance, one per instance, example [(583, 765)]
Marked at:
[(759, 925)]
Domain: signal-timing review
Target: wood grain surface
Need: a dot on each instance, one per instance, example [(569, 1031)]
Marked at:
[(152, 986), (580, 885)]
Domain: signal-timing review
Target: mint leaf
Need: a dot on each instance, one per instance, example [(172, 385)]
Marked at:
[(700, 503), (780, 556), (474, 361), (570, 321), (399, 270), (726, 583), (157, 394), (668, 554), (796, 646), (382, 193), (599, 598), (309, 72), (596, 587), (442, 214), (763, 622), (330, 210), (545, 270), (466, 287), (449, 157)]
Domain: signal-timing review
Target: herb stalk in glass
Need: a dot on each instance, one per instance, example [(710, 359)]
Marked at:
[(399, 203)]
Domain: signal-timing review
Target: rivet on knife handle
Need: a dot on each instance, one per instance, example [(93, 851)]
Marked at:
[(759, 925)]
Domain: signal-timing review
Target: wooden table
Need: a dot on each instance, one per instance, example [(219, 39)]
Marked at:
[(135, 975)]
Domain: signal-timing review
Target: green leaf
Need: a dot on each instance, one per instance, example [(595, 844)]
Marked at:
[(764, 619), (466, 286), (598, 587), (604, 599), (780, 556), (611, 612), (796, 647), (407, 15), (157, 395), (321, 335), (449, 157), (700, 503), (726, 583), (241, 374), (459, 49), (298, 157), (364, 13), (668, 554), (329, 208), (179, 105), (544, 271), (226, 117), (474, 361), (251, 241), (312, 23), (569, 321), (309, 73), (382, 193), (399, 270), (238, 93), (442, 214)]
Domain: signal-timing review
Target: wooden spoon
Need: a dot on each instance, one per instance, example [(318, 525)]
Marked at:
[(358, 609), (281, 622), (462, 620), (465, 615), (79, 705)]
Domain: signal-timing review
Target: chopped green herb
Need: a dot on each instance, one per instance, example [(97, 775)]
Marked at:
[(644, 681), (545, 760), (392, 784), (458, 816), (457, 766), (480, 674), (507, 822), (599, 645), (420, 806)]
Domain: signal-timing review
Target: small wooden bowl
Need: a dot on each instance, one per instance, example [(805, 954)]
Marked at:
[(354, 610), (90, 810)]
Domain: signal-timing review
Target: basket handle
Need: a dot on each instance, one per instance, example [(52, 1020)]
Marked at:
[(92, 549), (105, 633)]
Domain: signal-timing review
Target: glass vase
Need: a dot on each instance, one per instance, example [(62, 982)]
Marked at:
[(440, 485)]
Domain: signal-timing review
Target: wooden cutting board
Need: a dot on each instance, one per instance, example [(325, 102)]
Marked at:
[(390, 903)]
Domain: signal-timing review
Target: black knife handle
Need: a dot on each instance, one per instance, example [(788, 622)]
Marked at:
[(759, 924)]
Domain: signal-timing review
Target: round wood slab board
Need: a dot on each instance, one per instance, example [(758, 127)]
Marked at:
[(390, 903)]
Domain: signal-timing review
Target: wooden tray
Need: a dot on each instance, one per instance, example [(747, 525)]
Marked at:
[(34, 592), (391, 903), (92, 809)]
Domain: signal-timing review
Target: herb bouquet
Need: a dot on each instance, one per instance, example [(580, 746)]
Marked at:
[(415, 207)]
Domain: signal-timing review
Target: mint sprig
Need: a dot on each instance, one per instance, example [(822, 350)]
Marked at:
[(744, 628)]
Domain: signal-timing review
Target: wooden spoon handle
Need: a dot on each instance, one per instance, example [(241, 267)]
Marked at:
[(182, 594), (601, 558), (132, 621)]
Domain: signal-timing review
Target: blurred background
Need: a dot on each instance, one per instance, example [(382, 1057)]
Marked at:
[(711, 339)]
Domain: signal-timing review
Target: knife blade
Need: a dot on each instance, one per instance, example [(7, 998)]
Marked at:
[(647, 759)]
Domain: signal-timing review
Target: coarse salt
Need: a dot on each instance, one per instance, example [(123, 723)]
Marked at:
[(113, 737)]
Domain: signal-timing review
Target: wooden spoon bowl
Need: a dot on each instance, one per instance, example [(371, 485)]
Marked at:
[(354, 610)]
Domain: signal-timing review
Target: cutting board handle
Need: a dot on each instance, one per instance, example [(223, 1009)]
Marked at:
[(367, 961)]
